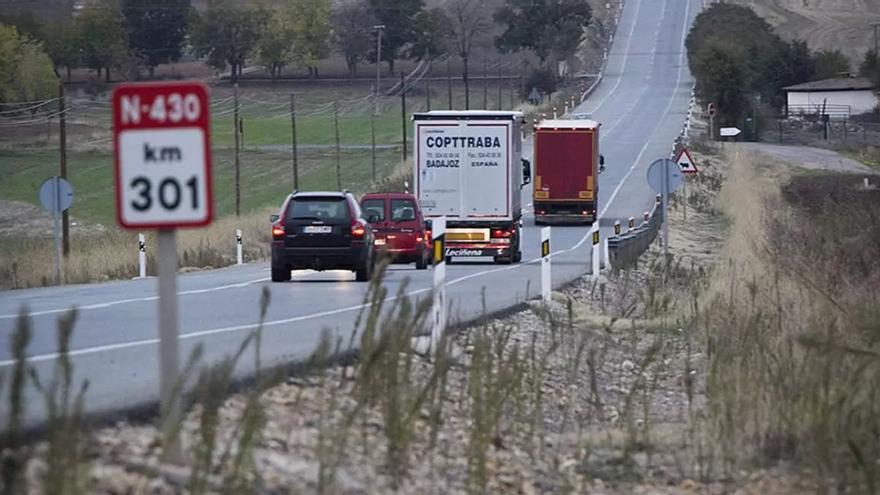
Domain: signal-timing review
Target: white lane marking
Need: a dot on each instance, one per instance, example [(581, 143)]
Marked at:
[(203, 333), (136, 299)]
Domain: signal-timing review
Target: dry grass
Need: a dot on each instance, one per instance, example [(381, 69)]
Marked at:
[(98, 257), (791, 328)]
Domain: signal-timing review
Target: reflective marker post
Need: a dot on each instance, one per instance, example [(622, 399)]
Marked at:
[(238, 257), (545, 264), (438, 248), (596, 252), (142, 256)]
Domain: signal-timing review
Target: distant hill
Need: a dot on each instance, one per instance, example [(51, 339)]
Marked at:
[(843, 25)]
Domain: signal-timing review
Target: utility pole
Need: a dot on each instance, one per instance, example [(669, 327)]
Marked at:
[(403, 112), (336, 132), (875, 26), (428, 92), (485, 85), (237, 143), (373, 143), (449, 80), (499, 85), (379, 28), (62, 165), (293, 141)]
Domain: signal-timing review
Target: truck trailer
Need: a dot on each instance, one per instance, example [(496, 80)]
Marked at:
[(567, 166), (468, 167)]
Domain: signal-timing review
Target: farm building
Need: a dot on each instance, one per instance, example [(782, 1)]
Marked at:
[(839, 97)]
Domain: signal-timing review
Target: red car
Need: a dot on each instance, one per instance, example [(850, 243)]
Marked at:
[(399, 227)]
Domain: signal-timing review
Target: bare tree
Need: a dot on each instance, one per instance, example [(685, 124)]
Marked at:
[(353, 32), (469, 26)]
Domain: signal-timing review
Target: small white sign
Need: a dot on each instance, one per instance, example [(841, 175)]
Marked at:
[(729, 131)]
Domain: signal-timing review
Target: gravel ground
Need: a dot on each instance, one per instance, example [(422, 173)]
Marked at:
[(809, 157)]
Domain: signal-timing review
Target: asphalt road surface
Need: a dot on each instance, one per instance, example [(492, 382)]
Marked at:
[(641, 103)]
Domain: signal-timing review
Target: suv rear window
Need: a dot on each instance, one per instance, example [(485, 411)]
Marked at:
[(318, 209), (402, 209), (374, 207)]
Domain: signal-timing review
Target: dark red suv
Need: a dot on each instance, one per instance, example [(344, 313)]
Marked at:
[(399, 227), (321, 231)]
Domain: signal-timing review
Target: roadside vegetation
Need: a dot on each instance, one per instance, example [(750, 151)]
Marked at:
[(747, 360), (742, 75)]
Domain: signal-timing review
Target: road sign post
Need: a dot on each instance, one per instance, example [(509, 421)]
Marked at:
[(162, 154), (710, 109), (56, 195), (546, 286), (438, 253), (664, 176)]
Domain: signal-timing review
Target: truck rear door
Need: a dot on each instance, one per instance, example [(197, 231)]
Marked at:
[(564, 165), (485, 170)]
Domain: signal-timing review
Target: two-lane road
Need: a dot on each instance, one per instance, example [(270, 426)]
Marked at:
[(641, 104)]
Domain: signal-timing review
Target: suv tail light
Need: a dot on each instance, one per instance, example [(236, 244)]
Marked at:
[(357, 230), (278, 231)]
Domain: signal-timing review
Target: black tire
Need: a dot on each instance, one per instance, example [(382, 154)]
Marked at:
[(517, 257), (449, 260), (281, 275), (422, 261), (365, 272), (500, 260)]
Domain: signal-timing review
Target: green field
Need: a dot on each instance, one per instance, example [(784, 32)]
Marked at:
[(266, 163), (265, 177)]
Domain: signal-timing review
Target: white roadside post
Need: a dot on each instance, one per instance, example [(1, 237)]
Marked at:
[(631, 223), (238, 257), (142, 256), (438, 249), (162, 155), (595, 256), (546, 284)]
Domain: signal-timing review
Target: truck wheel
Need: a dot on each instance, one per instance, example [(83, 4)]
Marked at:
[(449, 260), (500, 260), (280, 275), (518, 257)]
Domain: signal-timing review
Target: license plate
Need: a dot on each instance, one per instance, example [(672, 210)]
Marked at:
[(380, 242), (317, 229)]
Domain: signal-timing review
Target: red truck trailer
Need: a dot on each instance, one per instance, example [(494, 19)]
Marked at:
[(566, 171)]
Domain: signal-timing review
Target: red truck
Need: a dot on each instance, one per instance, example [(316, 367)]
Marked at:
[(566, 171)]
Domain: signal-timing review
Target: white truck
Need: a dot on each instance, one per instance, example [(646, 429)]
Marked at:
[(468, 167)]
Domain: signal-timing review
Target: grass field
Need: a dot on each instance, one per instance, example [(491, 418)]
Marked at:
[(265, 177)]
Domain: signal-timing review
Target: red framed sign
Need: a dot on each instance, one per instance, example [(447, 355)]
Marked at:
[(162, 155)]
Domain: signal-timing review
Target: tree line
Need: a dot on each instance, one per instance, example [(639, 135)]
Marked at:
[(107, 35), (738, 62)]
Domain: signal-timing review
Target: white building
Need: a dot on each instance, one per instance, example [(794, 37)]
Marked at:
[(838, 98)]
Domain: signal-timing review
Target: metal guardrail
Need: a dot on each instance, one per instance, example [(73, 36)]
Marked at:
[(818, 109), (625, 249)]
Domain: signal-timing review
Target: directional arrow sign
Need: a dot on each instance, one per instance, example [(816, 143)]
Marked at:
[(729, 131), (684, 160)]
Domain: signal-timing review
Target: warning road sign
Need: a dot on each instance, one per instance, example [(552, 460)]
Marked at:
[(687, 164)]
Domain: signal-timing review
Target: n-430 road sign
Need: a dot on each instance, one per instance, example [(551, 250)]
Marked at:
[(161, 143)]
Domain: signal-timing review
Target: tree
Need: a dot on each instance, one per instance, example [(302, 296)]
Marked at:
[(275, 46), (311, 28), (226, 33), (352, 32), (61, 44), (156, 30), (724, 78), (468, 26), (830, 64), (398, 17), (547, 27), (430, 39), (870, 67), (26, 72), (785, 64), (101, 37)]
